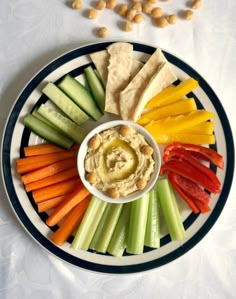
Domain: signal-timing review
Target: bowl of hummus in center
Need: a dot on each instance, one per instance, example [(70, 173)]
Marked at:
[(119, 161)]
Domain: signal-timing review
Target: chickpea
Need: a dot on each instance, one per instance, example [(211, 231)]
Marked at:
[(111, 4), (138, 7), (188, 14), (92, 13), (147, 150), (126, 130), (100, 4), (122, 9), (130, 14), (196, 4), (156, 12), (94, 142), (102, 32), (127, 26), (91, 178), (136, 1), (141, 184), (138, 18), (171, 19), (147, 7), (161, 22), (77, 4), (113, 192), (151, 1)]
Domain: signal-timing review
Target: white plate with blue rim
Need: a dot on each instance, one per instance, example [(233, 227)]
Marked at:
[(16, 137)]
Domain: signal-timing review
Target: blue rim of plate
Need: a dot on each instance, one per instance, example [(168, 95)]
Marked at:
[(47, 244)]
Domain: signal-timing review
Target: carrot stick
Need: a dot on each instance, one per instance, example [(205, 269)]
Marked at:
[(50, 203), (55, 190), (27, 164), (44, 148), (47, 171), (71, 222), (53, 179), (66, 206)]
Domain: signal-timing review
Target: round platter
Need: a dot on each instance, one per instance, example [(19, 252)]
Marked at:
[(16, 136)]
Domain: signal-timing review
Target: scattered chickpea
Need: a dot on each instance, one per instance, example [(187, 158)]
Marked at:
[(151, 1), (92, 13), (94, 142), (111, 4), (91, 178), (138, 18), (122, 9), (157, 12), (138, 7), (141, 184), (161, 22), (196, 4), (127, 26), (113, 192), (147, 7), (188, 14), (100, 4), (147, 150), (126, 130), (171, 19), (130, 14), (102, 32), (77, 4)]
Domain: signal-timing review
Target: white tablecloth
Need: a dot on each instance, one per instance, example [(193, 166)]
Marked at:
[(32, 33)]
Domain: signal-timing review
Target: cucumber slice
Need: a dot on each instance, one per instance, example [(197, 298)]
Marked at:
[(80, 95), (63, 102), (95, 87), (42, 118), (64, 124), (47, 132)]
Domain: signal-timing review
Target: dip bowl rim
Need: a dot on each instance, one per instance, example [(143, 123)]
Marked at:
[(83, 151)]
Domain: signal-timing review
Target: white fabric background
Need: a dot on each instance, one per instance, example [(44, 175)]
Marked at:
[(34, 32)]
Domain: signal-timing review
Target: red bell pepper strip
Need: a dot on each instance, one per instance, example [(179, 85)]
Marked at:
[(194, 201), (188, 171), (207, 154), (181, 154)]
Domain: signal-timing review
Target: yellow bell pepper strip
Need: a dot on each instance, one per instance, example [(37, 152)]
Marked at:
[(183, 155), (174, 124), (170, 95), (190, 192), (201, 152), (188, 171), (206, 128), (179, 107), (197, 139)]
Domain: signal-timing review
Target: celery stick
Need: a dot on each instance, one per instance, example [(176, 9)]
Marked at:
[(137, 225), (117, 243), (106, 227), (89, 224), (152, 235), (170, 210)]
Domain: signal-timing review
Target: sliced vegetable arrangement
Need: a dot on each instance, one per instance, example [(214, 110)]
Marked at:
[(49, 170)]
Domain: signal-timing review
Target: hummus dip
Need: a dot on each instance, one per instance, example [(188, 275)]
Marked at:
[(119, 161)]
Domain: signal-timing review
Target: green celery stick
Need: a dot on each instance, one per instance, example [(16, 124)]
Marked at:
[(117, 243), (89, 224), (170, 210), (152, 235), (106, 227), (137, 225)]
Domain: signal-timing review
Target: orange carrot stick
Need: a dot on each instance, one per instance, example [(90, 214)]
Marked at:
[(27, 164), (44, 148), (67, 205), (47, 171), (50, 203), (55, 190), (53, 179), (71, 222)]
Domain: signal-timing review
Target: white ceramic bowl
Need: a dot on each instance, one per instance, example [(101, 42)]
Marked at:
[(83, 151)]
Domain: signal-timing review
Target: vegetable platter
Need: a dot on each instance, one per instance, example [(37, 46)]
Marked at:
[(17, 136)]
